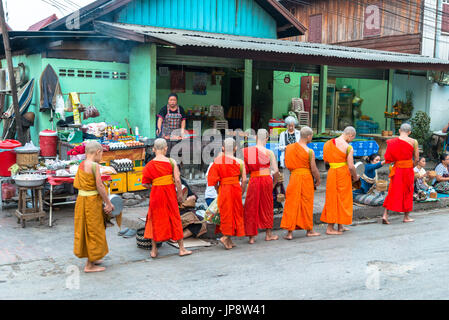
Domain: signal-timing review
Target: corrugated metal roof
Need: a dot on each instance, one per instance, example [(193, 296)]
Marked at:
[(225, 41)]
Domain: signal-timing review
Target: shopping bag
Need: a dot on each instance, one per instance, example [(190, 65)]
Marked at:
[(212, 215)]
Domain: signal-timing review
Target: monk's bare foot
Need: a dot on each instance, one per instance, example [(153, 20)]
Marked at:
[(224, 241), (333, 232), (343, 229), (98, 261), (93, 268), (312, 234), (232, 244), (153, 253), (385, 221), (184, 252), (172, 241), (408, 220), (271, 237), (289, 236), (252, 240)]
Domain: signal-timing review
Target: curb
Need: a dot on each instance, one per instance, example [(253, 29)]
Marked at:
[(359, 214)]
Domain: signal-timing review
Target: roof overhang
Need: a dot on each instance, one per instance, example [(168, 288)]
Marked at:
[(224, 45)]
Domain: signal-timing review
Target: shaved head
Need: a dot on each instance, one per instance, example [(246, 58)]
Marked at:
[(306, 132), (229, 145), (349, 131), (262, 134), (160, 144), (406, 128), (93, 147)]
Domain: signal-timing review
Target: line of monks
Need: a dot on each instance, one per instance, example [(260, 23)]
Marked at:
[(229, 176)]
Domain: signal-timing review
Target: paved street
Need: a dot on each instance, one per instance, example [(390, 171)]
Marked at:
[(372, 261)]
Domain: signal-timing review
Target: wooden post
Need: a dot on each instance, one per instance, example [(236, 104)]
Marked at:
[(153, 74), (12, 80), (323, 99), (390, 94), (247, 94)]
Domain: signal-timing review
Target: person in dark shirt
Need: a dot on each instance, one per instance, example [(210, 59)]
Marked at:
[(193, 224), (368, 178), (171, 119)]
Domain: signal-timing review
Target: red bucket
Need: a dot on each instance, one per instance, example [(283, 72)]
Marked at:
[(48, 141), (7, 158)]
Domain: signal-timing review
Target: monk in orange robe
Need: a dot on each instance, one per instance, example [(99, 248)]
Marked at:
[(225, 174), (89, 223), (401, 152), (304, 178), (338, 204), (163, 219), (258, 209)]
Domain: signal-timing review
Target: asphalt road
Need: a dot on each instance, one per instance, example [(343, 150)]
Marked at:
[(371, 261)]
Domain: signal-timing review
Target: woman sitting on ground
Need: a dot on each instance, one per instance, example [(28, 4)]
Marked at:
[(369, 176), (192, 224), (442, 184), (422, 189)]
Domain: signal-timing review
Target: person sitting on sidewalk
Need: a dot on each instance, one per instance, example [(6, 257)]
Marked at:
[(89, 224), (192, 224), (367, 194), (442, 184)]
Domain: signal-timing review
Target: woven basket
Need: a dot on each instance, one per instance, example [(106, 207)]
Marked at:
[(143, 243), (432, 174), (381, 185), (27, 159)]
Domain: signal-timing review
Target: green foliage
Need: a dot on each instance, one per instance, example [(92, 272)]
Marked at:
[(421, 130)]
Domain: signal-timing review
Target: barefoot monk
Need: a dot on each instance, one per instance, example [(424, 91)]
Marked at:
[(163, 219), (258, 210), (304, 178), (401, 152), (338, 204), (225, 174)]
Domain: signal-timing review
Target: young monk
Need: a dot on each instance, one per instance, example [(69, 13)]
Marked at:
[(163, 218), (338, 204), (304, 178), (89, 225), (401, 152), (258, 210), (225, 175)]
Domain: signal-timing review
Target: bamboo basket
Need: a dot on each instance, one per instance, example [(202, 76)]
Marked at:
[(27, 159), (381, 185)]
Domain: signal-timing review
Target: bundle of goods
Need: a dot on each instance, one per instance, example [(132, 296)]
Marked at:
[(54, 165), (96, 129), (122, 165), (90, 112)]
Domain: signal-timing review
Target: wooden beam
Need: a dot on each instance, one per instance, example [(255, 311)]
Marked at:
[(153, 75), (247, 94), (323, 99)]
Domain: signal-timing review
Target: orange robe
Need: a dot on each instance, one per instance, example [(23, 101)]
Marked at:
[(258, 210), (89, 224), (338, 203), (298, 208), (226, 172), (163, 219), (400, 191)]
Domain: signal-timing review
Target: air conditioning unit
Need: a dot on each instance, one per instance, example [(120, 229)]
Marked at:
[(19, 74)]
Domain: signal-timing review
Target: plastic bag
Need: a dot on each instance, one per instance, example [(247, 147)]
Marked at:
[(59, 109), (212, 215)]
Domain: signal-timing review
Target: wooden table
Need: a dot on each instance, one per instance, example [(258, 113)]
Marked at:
[(381, 141)]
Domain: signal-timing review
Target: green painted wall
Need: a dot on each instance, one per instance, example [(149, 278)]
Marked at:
[(111, 98), (187, 99), (374, 95)]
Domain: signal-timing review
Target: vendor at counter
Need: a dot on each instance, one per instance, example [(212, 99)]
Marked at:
[(170, 118)]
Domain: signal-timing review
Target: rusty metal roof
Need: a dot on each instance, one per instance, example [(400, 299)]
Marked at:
[(197, 39)]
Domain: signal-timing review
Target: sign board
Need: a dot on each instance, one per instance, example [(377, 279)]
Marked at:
[(372, 20)]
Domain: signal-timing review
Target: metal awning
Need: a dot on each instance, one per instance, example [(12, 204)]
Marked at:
[(224, 45)]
